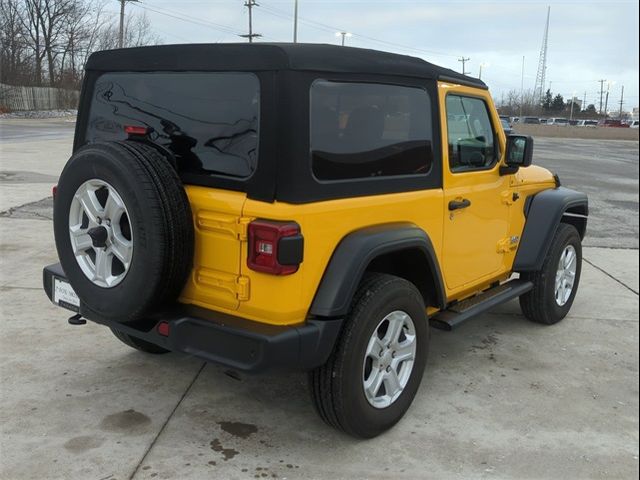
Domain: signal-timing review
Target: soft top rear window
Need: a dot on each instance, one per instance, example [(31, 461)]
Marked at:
[(209, 120)]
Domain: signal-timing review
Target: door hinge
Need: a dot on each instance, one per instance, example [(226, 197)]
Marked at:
[(508, 244), (242, 288), (236, 285), (223, 223)]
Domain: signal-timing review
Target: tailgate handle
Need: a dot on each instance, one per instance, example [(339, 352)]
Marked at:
[(459, 204)]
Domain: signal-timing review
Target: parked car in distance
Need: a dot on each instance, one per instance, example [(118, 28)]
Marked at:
[(634, 124), (543, 121), (558, 121), (506, 126), (610, 122), (530, 120), (587, 123)]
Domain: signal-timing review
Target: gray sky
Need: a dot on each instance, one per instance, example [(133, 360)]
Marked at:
[(588, 40)]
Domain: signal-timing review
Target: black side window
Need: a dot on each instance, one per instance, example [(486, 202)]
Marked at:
[(364, 130), (472, 140)]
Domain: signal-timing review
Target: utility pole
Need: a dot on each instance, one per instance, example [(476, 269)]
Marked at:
[(584, 102), (464, 61), (295, 21), (621, 102), (601, 93), (250, 4), (121, 31), (522, 87)]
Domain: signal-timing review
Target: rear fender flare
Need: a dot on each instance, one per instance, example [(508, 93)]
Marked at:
[(356, 251)]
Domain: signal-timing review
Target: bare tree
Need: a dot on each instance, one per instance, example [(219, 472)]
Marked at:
[(15, 65), (137, 32), (53, 38)]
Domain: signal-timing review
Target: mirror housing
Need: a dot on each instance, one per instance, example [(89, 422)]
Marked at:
[(519, 153)]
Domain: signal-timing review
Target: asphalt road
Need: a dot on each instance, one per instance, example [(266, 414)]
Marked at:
[(607, 171), (36, 130), (502, 398)]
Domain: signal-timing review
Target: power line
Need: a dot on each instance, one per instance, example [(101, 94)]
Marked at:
[(192, 20)]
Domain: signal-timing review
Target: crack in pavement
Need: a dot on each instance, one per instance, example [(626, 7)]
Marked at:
[(610, 276), (38, 210), (155, 439)]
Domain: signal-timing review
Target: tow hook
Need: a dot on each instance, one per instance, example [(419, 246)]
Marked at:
[(77, 320)]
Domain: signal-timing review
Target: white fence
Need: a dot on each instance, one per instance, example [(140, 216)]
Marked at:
[(14, 98)]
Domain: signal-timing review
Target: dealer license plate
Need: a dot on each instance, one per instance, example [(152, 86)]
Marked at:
[(64, 295)]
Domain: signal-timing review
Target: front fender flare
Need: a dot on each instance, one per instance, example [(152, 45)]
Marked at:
[(544, 212)]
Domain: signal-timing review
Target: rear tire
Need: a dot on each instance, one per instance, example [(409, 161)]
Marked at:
[(138, 343), (342, 390), (546, 304)]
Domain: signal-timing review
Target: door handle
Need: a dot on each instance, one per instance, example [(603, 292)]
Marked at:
[(459, 204)]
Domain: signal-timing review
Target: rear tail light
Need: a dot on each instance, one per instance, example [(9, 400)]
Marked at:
[(54, 191), (275, 247)]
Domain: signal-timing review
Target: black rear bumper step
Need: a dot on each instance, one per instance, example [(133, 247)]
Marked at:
[(469, 308), (225, 339)]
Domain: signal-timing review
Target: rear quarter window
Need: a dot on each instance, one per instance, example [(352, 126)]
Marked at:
[(367, 130), (209, 121)]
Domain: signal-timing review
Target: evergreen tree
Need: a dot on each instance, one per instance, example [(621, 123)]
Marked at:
[(547, 100), (558, 103)]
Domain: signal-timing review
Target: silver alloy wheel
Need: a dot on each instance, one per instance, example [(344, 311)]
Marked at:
[(389, 359), (566, 275), (101, 233)]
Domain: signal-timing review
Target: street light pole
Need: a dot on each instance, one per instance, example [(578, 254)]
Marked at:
[(344, 35), (573, 96), (295, 21)]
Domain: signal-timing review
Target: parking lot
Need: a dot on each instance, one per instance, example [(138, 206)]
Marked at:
[(501, 398)]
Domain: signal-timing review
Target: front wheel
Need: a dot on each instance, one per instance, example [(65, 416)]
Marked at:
[(373, 374), (556, 284)]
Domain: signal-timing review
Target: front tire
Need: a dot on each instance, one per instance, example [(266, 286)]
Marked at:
[(556, 284), (376, 368)]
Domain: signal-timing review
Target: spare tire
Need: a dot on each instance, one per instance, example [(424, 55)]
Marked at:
[(123, 229)]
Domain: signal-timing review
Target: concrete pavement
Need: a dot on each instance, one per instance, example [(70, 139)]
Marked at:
[(502, 397)]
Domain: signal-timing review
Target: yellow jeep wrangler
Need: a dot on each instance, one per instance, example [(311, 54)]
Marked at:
[(304, 207)]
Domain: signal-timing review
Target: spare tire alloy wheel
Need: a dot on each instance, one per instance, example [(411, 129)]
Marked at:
[(124, 231), (389, 359), (101, 233)]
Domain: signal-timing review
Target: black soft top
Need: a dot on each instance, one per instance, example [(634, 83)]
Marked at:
[(271, 56)]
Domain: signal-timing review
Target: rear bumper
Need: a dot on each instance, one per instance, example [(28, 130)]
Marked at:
[(224, 339)]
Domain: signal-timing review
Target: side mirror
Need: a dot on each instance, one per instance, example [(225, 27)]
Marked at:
[(519, 153)]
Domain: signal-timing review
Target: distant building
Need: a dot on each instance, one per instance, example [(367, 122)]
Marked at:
[(635, 113)]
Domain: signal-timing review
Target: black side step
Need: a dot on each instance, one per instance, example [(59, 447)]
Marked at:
[(466, 309)]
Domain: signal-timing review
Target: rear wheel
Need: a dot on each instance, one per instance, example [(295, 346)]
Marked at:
[(372, 376), (556, 284), (138, 343)]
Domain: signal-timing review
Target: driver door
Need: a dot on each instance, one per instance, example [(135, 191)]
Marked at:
[(476, 216)]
